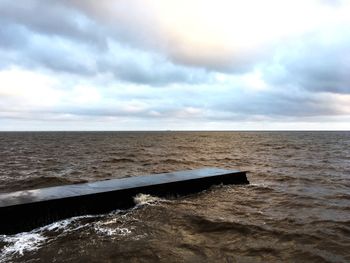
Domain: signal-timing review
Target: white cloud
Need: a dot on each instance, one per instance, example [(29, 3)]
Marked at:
[(21, 89)]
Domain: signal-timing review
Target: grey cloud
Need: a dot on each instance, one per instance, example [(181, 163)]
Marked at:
[(30, 50), (94, 23), (55, 40), (160, 74), (11, 36), (52, 18), (130, 23), (150, 68), (225, 62), (48, 35), (276, 104), (60, 62), (313, 65)]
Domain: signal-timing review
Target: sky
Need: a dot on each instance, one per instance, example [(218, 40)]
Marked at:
[(174, 65)]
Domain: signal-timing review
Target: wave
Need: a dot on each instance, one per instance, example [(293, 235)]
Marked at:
[(120, 160), (204, 224), (39, 182), (146, 199), (19, 244), (176, 161)]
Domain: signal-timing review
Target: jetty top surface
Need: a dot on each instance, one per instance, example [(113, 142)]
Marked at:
[(75, 190)]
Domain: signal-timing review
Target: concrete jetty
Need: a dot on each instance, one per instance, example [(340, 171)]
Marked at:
[(25, 210)]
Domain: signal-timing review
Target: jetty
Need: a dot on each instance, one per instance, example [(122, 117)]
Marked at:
[(25, 210)]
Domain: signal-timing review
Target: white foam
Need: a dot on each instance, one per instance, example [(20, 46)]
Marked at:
[(109, 228), (64, 224), (20, 243), (17, 245), (30, 241), (146, 199), (60, 225), (120, 231)]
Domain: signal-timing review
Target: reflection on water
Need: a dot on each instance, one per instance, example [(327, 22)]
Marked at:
[(297, 208)]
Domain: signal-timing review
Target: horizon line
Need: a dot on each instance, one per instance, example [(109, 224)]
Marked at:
[(175, 130)]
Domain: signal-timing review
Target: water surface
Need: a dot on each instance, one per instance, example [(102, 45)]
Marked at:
[(297, 208)]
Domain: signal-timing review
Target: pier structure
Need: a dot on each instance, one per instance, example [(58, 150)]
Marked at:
[(25, 210)]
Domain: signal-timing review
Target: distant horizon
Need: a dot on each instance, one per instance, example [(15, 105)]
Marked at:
[(174, 131)]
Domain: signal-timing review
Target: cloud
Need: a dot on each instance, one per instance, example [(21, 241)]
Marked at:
[(224, 36), (165, 62), (217, 35), (31, 43), (318, 63), (52, 19)]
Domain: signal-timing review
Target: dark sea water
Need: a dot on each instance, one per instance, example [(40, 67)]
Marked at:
[(296, 209)]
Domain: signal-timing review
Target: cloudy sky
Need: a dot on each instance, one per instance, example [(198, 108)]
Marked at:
[(174, 64)]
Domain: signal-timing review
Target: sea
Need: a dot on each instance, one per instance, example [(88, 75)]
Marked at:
[(295, 209)]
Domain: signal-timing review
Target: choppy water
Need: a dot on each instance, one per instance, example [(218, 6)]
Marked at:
[(297, 208)]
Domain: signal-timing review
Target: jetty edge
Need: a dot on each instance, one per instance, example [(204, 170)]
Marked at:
[(25, 210)]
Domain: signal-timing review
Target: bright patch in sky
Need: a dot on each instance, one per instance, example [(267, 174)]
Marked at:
[(163, 64)]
